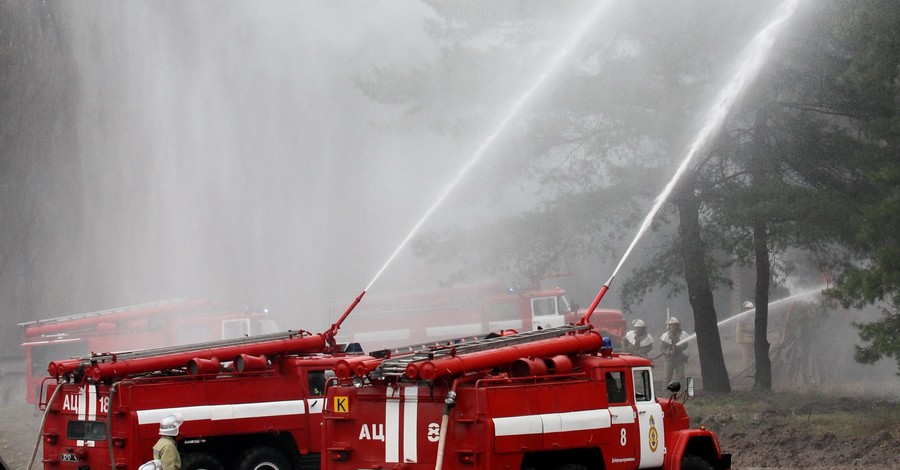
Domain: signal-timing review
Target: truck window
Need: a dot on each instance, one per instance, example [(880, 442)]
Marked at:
[(86, 431), (317, 380), (643, 388), (543, 306), (44, 354), (615, 387), (563, 304)]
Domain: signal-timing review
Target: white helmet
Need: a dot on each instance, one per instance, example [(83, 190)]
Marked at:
[(638, 323), (154, 464), (170, 424), (673, 321)]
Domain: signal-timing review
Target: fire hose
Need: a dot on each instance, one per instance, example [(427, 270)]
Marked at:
[(43, 420), (449, 403)]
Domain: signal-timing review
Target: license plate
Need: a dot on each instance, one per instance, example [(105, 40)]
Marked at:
[(68, 457)]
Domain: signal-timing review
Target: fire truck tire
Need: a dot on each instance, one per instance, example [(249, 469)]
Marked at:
[(264, 458), (693, 462), (200, 461), (571, 466)]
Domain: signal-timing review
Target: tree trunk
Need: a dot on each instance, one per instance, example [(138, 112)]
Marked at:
[(763, 377), (696, 274)]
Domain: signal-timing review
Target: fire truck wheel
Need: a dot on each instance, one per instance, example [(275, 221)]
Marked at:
[(693, 462), (263, 458), (571, 466), (200, 461)]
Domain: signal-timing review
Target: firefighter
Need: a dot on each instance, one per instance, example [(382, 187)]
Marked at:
[(638, 341), (166, 450), (673, 354)]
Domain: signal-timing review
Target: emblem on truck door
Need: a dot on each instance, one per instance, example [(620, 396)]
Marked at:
[(653, 436)]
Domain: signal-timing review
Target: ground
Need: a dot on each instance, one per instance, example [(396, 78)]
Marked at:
[(784, 430), (776, 430)]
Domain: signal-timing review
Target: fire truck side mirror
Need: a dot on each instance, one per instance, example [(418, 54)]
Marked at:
[(690, 387), (674, 387)]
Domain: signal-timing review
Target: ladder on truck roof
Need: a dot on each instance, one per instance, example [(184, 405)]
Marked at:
[(102, 313), (395, 367), (154, 352)]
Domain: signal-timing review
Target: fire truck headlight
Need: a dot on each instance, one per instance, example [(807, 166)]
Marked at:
[(340, 455), (51, 438), (357, 382), (467, 458), (119, 442)]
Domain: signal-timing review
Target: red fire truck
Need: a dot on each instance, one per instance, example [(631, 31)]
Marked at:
[(465, 310), (158, 324), (555, 399), (248, 403)]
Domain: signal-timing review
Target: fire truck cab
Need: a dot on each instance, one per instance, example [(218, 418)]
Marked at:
[(557, 399), (464, 310)]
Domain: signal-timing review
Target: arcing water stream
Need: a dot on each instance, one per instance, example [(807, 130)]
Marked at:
[(551, 67), (803, 295), (754, 57)]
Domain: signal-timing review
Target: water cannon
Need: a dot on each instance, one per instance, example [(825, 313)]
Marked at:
[(332, 332)]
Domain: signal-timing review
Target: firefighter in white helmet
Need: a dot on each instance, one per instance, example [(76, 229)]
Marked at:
[(638, 341), (673, 353), (166, 450)]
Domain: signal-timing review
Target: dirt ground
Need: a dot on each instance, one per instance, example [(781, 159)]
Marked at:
[(784, 430), (775, 431)]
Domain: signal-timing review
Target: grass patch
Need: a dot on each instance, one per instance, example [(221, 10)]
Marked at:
[(814, 414)]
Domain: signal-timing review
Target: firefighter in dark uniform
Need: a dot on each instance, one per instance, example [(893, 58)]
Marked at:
[(166, 450)]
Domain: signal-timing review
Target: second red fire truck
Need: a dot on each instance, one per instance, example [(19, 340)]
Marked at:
[(474, 309), (150, 325)]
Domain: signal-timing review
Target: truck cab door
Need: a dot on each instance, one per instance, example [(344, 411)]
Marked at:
[(650, 420), (545, 313), (622, 418)]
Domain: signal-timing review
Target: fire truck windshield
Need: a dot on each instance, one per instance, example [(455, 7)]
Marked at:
[(543, 306)]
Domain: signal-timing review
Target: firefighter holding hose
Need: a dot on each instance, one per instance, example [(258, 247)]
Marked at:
[(638, 341), (673, 353)]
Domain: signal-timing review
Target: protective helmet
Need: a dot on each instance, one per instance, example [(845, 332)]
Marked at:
[(673, 321), (638, 323), (170, 424), (154, 464)]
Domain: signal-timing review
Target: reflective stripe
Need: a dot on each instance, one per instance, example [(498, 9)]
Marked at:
[(410, 419), (551, 423), (621, 414), (225, 412), (392, 426)]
